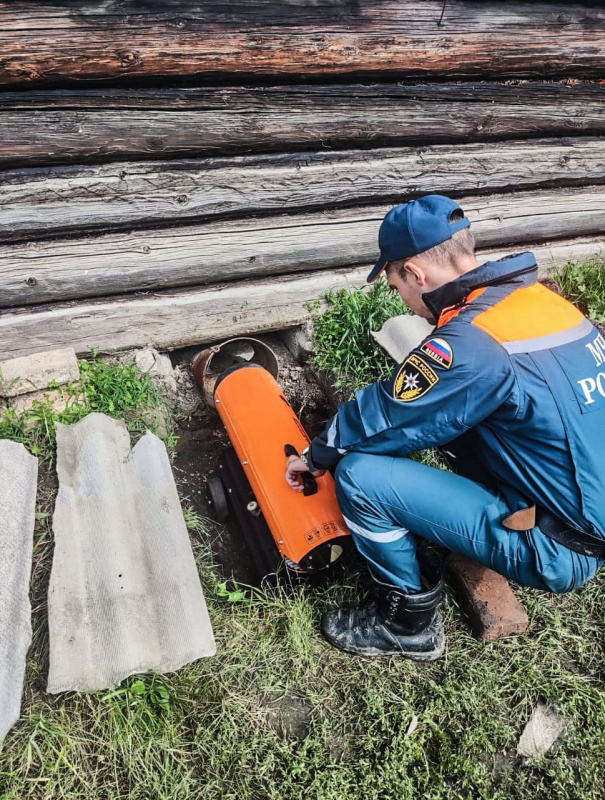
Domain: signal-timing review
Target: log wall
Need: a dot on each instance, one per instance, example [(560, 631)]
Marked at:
[(74, 126), (174, 174), (71, 40), (172, 319)]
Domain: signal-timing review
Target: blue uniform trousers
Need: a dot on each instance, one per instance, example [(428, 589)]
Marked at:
[(388, 502)]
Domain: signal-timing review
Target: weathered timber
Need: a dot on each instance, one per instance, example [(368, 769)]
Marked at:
[(172, 319), (55, 127), (38, 202), (115, 263), (68, 40), (262, 98)]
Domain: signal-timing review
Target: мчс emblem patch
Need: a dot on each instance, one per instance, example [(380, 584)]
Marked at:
[(440, 351), (414, 379)]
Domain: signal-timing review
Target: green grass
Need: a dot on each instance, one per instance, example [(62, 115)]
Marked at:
[(343, 344), (208, 731), (194, 521), (121, 391), (584, 284)]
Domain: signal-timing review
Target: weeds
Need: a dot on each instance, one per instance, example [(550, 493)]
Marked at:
[(35, 428), (118, 390), (343, 344), (584, 285), (150, 693), (195, 522), (208, 731)]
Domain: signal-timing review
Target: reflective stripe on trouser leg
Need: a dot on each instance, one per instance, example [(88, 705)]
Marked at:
[(390, 550), (391, 554), (383, 494)]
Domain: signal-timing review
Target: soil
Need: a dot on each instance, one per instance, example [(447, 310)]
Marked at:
[(288, 715), (202, 441)]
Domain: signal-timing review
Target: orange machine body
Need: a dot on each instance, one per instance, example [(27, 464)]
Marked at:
[(260, 422)]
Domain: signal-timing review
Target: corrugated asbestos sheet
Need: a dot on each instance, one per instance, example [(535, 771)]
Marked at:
[(125, 595), (400, 335), (18, 482)]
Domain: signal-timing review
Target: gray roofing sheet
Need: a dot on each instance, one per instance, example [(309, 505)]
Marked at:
[(400, 335), (18, 477), (125, 595)]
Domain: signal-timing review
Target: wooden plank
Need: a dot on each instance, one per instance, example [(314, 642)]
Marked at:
[(100, 125), (191, 255), (172, 319), (128, 39), (35, 203)]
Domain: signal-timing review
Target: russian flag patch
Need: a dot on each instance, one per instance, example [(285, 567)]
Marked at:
[(440, 351)]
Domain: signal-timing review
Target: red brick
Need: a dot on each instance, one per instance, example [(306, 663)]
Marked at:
[(492, 609)]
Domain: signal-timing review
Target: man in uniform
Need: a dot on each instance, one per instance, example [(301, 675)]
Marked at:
[(511, 386)]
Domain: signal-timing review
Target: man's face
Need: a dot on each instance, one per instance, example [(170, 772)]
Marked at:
[(411, 288)]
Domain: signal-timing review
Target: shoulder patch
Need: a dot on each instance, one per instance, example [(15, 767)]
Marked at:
[(440, 351), (414, 379)]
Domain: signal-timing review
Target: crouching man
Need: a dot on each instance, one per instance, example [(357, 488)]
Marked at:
[(511, 386)]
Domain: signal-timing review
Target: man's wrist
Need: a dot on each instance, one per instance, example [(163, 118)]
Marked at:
[(306, 457)]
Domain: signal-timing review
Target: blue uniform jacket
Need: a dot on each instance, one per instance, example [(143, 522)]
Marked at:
[(515, 364)]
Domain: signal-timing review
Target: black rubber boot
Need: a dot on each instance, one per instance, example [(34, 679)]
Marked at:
[(395, 624)]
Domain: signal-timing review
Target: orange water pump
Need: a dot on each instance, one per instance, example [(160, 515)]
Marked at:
[(306, 531)]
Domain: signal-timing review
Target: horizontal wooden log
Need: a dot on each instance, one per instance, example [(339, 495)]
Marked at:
[(60, 200), (172, 319), (192, 255), (71, 41), (100, 125)]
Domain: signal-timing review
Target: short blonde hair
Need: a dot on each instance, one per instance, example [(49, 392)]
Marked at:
[(447, 253)]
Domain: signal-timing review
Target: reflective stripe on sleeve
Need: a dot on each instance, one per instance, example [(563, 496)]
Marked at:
[(331, 438)]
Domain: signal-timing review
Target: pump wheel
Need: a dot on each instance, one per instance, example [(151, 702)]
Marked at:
[(217, 499)]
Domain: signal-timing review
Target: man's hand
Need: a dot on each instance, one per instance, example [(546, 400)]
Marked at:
[(294, 466)]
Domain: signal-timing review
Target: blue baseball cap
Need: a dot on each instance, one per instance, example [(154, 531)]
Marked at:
[(411, 228)]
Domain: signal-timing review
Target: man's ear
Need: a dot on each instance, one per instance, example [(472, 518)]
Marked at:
[(416, 272)]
